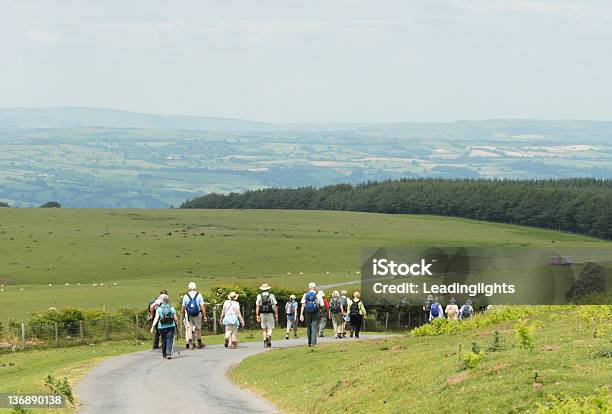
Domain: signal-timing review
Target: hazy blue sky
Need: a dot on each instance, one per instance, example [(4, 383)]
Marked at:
[(322, 60)]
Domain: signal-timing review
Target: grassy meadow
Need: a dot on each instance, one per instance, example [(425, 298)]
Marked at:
[(136, 252)]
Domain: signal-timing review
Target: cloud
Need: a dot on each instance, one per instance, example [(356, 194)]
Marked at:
[(42, 36), (144, 28)]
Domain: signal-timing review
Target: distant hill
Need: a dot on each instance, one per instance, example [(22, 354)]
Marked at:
[(79, 117)]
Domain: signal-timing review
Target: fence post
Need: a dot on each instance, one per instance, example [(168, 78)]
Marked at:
[(214, 319), (245, 318), (387, 321), (56, 334), (23, 344), (81, 331), (408, 327), (399, 320), (106, 333), (137, 327)]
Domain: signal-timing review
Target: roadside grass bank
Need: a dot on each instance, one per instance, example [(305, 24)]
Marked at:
[(550, 358)]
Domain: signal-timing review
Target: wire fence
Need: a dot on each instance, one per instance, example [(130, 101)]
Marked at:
[(19, 336)]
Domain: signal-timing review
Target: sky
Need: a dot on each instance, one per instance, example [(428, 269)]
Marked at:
[(319, 60)]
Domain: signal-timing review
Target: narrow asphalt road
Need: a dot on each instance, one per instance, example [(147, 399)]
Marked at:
[(195, 382)]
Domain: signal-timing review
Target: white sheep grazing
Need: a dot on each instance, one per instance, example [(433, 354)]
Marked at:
[(101, 284), (78, 284), (50, 285), (301, 273), (288, 273), (327, 272), (115, 284), (1, 290), (66, 284), (94, 285)]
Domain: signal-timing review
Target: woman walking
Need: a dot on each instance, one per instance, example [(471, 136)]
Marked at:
[(337, 312), (165, 321), (356, 313), (231, 318)]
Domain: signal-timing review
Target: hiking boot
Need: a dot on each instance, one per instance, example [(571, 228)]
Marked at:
[(269, 342), (186, 346), (351, 334), (266, 343), (295, 336), (169, 357), (226, 344), (287, 336), (200, 345)]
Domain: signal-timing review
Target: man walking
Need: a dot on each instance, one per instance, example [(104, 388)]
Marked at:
[(291, 312), (266, 311), (427, 307), (153, 305), (195, 312), (346, 304), (310, 312)]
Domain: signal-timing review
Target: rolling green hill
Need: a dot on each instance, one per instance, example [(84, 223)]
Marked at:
[(567, 370), (143, 250)]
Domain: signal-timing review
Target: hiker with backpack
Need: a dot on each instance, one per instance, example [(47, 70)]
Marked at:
[(151, 308), (452, 310), (291, 312), (427, 307), (231, 318), (356, 314), (346, 303), (337, 312), (436, 310), (325, 315), (467, 311), (194, 311), (266, 311), (310, 313), (165, 321)]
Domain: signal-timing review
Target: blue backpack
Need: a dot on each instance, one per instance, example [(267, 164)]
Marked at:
[(192, 306), (165, 314), (435, 310), (311, 306)]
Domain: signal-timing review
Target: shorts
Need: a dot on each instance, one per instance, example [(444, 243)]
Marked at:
[(195, 321), (292, 323), (267, 320)]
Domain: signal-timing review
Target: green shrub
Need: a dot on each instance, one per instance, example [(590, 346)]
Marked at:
[(62, 387), (524, 333), (470, 360), (491, 317), (600, 402), (497, 343)]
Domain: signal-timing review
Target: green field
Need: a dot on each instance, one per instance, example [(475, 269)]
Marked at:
[(422, 374), (135, 252)]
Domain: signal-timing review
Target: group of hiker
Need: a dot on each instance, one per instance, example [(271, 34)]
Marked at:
[(314, 309), (164, 320), (433, 309)]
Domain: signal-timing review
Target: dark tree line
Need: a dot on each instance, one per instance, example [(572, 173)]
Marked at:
[(578, 205)]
